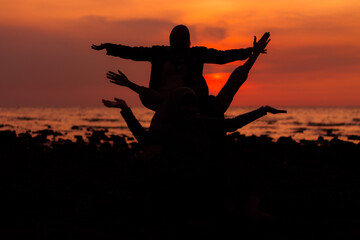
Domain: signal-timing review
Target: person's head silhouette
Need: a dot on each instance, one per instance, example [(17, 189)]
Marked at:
[(180, 37)]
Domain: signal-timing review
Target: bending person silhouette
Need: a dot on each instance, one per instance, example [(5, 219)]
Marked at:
[(213, 106), (181, 109), (179, 64)]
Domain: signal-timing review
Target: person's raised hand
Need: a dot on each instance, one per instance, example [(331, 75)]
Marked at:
[(117, 78), (260, 46)]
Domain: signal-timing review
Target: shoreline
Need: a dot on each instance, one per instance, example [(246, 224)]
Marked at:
[(300, 123), (104, 132)]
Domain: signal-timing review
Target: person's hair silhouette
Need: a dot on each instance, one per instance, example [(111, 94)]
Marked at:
[(180, 37)]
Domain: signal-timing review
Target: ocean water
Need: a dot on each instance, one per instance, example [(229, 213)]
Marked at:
[(300, 122)]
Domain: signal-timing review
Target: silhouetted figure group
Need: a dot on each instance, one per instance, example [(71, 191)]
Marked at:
[(189, 180)]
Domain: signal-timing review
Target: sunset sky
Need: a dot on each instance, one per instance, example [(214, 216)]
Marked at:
[(313, 58)]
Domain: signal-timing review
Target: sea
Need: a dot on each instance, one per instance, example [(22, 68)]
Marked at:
[(308, 123)]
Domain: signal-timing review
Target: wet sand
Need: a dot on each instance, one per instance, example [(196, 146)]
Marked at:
[(99, 188)]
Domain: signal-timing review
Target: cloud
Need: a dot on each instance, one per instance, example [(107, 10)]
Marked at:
[(327, 60), (41, 68), (133, 31), (139, 31), (57, 66), (203, 33)]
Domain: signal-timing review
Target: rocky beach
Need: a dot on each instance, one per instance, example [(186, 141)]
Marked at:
[(99, 188)]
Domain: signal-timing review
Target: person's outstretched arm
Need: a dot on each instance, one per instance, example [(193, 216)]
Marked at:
[(259, 47), (244, 119), (133, 53), (221, 57), (150, 98), (239, 75), (121, 79), (133, 124), (232, 124), (211, 55)]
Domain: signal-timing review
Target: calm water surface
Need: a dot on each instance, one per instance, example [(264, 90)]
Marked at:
[(299, 123)]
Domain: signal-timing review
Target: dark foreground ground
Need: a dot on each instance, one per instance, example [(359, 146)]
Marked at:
[(99, 189)]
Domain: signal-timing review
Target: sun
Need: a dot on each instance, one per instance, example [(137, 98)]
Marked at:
[(216, 81)]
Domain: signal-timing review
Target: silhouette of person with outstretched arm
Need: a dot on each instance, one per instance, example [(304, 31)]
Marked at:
[(152, 99), (179, 64)]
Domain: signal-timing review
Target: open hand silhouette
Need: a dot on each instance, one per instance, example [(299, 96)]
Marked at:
[(118, 103), (118, 78)]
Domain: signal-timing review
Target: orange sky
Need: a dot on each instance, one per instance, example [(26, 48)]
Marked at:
[(313, 58)]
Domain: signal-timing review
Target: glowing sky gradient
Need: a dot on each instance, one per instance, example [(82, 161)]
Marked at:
[(313, 58)]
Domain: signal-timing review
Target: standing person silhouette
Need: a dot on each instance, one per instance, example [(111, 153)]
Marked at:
[(176, 65)]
